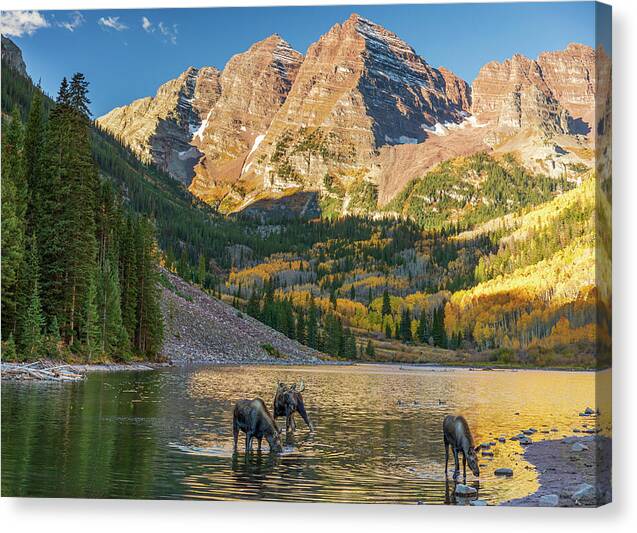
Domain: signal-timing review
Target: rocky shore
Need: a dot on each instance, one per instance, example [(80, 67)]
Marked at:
[(573, 471)]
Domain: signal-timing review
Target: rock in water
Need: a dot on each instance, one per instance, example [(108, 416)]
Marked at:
[(579, 447), (478, 503), (503, 472), (549, 500), (465, 490), (585, 493)]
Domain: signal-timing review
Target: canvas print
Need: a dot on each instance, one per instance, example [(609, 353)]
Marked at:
[(349, 254)]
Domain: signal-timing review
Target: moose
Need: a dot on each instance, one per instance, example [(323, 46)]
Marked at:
[(253, 418), (456, 434), (287, 401)]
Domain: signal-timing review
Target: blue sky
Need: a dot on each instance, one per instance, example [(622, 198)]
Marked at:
[(127, 54)]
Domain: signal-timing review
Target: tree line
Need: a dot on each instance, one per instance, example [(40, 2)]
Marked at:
[(80, 272)]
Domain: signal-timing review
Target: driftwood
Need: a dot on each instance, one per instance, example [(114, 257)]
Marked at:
[(39, 370)]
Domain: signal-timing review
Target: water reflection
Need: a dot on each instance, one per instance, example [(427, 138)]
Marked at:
[(168, 434)]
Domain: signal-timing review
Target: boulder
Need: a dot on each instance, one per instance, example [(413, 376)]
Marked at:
[(549, 500), (465, 490), (583, 494)]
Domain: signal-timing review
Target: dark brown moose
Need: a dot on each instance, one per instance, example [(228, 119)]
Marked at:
[(456, 434), (287, 401), (253, 418)]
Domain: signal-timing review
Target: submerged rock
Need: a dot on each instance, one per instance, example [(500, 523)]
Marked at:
[(503, 472), (465, 490), (584, 493), (549, 500)]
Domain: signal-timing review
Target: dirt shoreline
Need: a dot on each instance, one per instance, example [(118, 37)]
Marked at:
[(568, 477)]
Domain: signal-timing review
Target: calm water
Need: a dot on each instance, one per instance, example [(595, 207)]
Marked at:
[(168, 434)]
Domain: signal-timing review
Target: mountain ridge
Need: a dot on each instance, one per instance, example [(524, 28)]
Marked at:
[(361, 107)]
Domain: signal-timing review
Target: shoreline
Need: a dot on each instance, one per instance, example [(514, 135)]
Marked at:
[(139, 366), (572, 472)]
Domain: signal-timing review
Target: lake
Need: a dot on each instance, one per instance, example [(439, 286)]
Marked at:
[(168, 433)]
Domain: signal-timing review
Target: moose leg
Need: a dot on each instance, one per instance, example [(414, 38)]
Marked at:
[(303, 413), (456, 471), (464, 466), (259, 445), (248, 442), (235, 434), (446, 457)]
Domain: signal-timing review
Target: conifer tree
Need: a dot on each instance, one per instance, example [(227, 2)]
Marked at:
[(31, 326), (386, 308), (13, 211)]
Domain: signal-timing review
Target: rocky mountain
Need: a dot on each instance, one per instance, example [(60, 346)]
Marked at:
[(254, 85), (358, 118), (160, 128), (544, 109), (12, 56), (359, 88)]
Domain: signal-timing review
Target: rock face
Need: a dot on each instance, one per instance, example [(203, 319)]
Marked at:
[(360, 87), (555, 94), (513, 95), (254, 85), (361, 112), (12, 56), (160, 128)]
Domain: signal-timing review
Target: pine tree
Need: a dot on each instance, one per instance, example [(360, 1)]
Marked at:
[(369, 350), (300, 327), (201, 270), (386, 308), (405, 325), (312, 325), (422, 332), (13, 213), (32, 323), (90, 326), (112, 333)]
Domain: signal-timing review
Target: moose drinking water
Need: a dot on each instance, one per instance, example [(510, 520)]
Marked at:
[(287, 401), (253, 418), (456, 434)]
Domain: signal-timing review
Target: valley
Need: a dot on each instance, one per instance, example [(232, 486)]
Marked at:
[(357, 203)]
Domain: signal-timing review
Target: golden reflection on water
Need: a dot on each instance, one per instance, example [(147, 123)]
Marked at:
[(378, 431)]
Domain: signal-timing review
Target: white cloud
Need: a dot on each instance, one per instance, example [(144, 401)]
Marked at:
[(113, 23), (74, 22), (169, 32), (17, 23), (147, 25)]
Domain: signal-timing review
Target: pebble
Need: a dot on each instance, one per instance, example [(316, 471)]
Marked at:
[(503, 472), (589, 411), (502, 438), (526, 441), (549, 500), (579, 447), (465, 490), (487, 454)]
